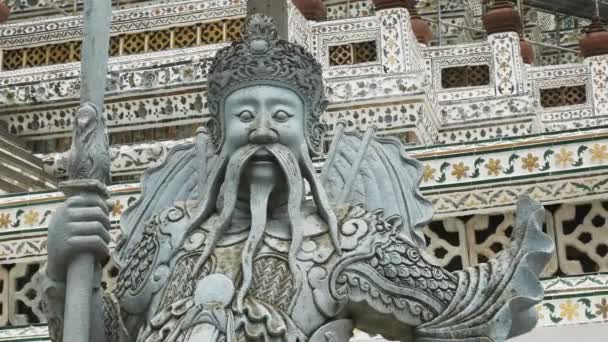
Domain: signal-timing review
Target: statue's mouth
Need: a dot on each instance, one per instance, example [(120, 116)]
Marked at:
[(262, 156)]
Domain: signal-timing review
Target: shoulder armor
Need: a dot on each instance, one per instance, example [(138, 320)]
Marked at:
[(146, 267)]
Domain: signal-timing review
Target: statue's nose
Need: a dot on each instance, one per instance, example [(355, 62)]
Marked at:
[(263, 136)]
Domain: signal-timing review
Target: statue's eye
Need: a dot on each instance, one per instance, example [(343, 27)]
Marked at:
[(245, 116), (281, 116)]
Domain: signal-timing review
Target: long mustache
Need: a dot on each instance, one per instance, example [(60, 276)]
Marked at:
[(289, 165), (294, 170), (234, 171)]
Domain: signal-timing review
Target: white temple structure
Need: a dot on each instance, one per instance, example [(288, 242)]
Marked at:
[(496, 100)]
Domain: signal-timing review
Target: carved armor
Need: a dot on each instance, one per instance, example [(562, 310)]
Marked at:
[(379, 274), (378, 268)]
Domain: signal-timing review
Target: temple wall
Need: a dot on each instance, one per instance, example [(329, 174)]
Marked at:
[(486, 127)]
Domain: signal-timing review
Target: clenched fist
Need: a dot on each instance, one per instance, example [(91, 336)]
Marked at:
[(80, 225)]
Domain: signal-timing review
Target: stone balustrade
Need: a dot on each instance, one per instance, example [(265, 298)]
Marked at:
[(453, 88)]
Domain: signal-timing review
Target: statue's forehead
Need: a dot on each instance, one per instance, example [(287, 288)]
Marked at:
[(257, 93)]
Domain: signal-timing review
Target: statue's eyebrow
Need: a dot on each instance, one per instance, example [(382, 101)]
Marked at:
[(273, 101), (246, 100)]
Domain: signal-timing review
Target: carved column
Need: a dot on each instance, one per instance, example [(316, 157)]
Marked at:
[(399, 50), (421, 28), (503, 24), (400, 55), (594, 48)]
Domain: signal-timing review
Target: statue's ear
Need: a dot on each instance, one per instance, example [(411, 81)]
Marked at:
[(315, 135), (323, 106), (216, 132)]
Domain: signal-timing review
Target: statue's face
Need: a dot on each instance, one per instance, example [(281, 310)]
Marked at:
[(261, 115)]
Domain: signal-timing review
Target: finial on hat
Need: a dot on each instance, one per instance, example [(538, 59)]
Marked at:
[(259, 26)]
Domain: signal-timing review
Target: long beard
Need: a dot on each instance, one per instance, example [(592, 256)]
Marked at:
[(295, 171)]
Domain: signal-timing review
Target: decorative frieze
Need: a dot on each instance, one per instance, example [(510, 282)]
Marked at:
[(216, 32), (126, 75), (591, 308), (142, 89), (480, 178), (513, 162), (63, 29), (500, 197), (29, 8), (468, 133), (126, 159), (342, 9), (459, 113)]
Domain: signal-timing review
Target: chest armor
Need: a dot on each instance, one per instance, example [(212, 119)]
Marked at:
[(159, 282)]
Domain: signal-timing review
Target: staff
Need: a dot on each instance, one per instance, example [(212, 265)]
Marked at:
[(89, 161)]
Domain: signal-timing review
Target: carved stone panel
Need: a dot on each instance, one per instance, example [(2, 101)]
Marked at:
[(489, 234), (582, 237)]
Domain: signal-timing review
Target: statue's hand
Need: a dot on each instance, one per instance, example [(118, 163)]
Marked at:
[(80, 225)]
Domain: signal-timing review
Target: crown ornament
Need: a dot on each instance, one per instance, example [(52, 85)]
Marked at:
[(262, 58)]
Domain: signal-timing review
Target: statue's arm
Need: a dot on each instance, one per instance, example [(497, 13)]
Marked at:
[(398, 291), (80, 225), (395, 287)]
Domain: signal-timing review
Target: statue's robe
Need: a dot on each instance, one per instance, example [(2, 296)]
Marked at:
[(380, 283)]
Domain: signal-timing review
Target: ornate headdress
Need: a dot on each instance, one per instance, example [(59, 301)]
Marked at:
[(262, 58)]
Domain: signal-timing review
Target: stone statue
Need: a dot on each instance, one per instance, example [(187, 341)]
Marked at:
[(225, 245)]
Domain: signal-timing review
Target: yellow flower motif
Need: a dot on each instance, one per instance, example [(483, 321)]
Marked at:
[(564, 157), (530, 162), (5, 220), (31, 217), (460, 170), (494, 167), (539, 309), (428, 174), (599, 153), (117, 209), (602, 309), (569, 310)]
